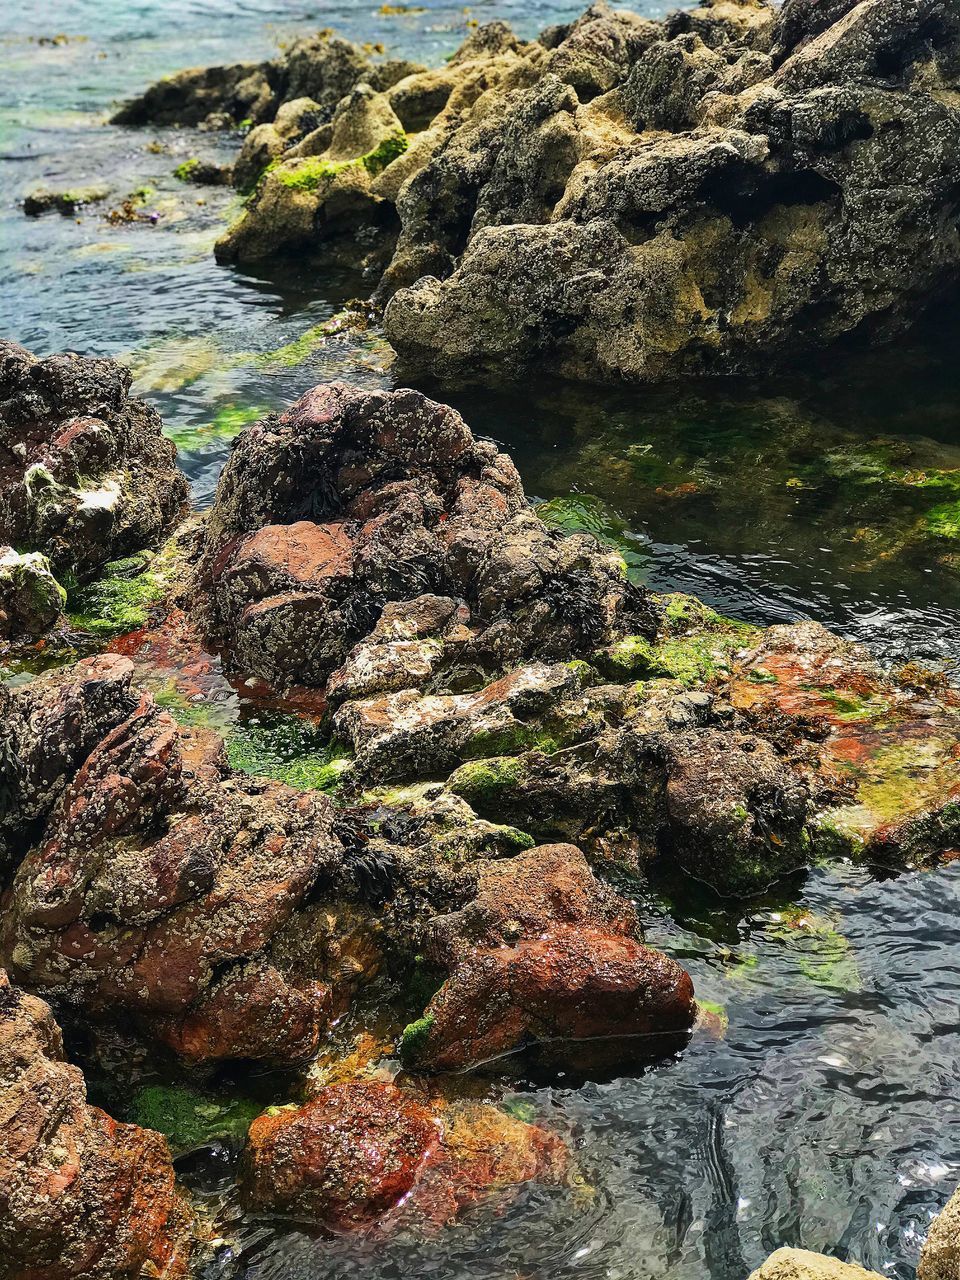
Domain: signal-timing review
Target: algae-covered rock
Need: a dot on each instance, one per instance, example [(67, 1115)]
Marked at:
[(189, 1118), (368, 1154), (31, 599), (66, 200)]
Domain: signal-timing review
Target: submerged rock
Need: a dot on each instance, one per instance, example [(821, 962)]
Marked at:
[(80, 1195), (66, 201), (621, 199), (365, 1154), (801, 1264), (86, 475)]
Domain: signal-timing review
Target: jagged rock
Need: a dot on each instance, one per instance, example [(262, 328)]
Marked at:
[(47, 730), (80, 1195), (265, 142), (31, 599), (160, 889), (402, 504), (940, 1256), (362, 1154), (86, 475), (543, 953), (801, 1264), (321, 67)]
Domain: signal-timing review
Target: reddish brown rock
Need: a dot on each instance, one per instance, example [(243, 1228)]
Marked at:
[(544, 953), (345, 1159), (365, 1154), (81, 1197), (47, 730), (161, 884)]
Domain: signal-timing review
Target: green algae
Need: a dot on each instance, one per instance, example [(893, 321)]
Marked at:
[(482, 781), (312, 172), (822, 954), (185, 171), (288, 749), (122, 599), (226, 423), (510, 740), (190, 1119), (943, 521), (587, 513), (413, 1039)]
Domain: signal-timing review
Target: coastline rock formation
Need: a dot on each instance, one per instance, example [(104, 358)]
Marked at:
[(619, 199), (86, 476), (801, 1264), (80, 1195), (364, 546)]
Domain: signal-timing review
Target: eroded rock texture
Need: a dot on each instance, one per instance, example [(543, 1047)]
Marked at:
[(940, 1257), (619, 199), (86, 476), (353, 502), (80, 1195), (366, 1153)]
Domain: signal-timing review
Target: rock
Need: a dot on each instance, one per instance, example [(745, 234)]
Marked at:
[(47, 730), (801, 1264), (31, 599), (628, 200), (352, 500), (86, 475), (159, 891), (940, 1256), (266, 142), (322, 68), (321, 184), (543, 954), (80, 1195), (66, 201), (365, 1154)]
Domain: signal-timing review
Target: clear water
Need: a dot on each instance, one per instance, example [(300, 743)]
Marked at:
[(825, 1116)]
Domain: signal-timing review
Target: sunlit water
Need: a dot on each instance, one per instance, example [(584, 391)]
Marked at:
[(825, 1116)]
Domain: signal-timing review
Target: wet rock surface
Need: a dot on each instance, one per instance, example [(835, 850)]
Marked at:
[(86, 477), (619, 199), (366, 1153), (802, 1264), (940, 1258), (80, 1195)]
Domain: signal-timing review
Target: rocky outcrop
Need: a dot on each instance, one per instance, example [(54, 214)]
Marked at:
[(366, 1154), (544, 953), (801, 1264), (86, 475), (80, 1195), (322, 68), (161, 886), (940, 1257), (351, 501), (31, 599), (621, 199)]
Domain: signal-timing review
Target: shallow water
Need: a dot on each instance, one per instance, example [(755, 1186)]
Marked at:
[(825, 1116)]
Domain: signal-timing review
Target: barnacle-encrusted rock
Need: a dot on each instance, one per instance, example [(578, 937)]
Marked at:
[(352, 500), (86, 475), (543, 952), (81, 1197), (161, 886), (366, 1153)]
